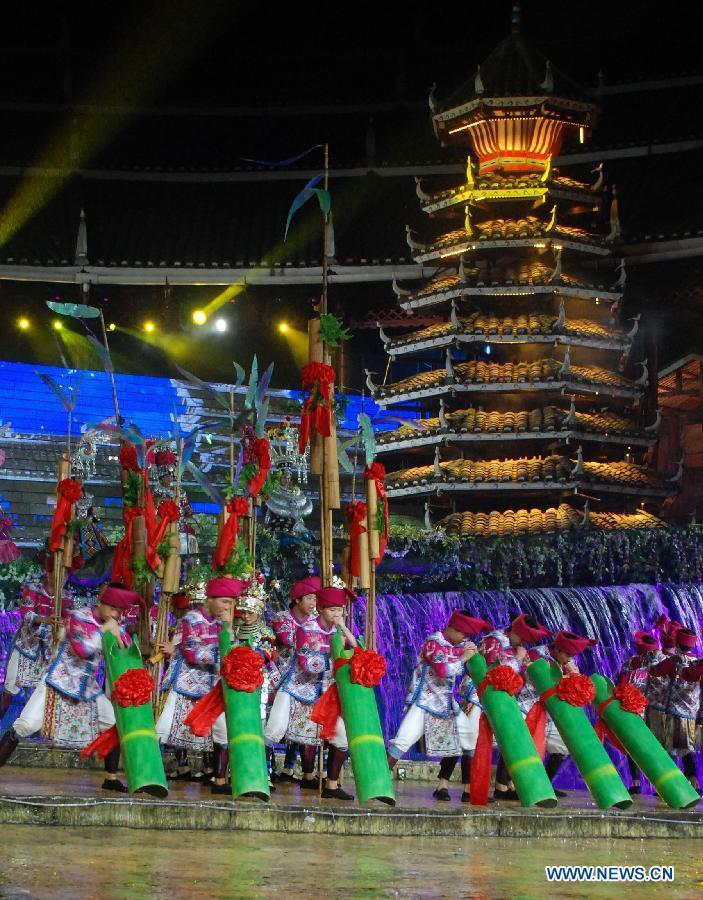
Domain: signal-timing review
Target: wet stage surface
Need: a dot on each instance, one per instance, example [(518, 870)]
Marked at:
[(58, 863)]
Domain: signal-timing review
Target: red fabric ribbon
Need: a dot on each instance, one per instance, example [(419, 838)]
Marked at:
[(377, 472), (500, 678), (356, 514), (536, 721), (602, 728), (318, 380), (124, 551), (69, 492), (242, 669), (367, 668), (237, 506), (262, 456), (168, 512), (133, 688), (202, 715), (103, 744)]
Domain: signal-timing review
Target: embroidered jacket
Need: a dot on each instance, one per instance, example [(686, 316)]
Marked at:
[(74, 666), (683, 696), (529, 695), (432, 683), (637, 670), (285, 624), (311, 672), (196, 662), (33, 639)]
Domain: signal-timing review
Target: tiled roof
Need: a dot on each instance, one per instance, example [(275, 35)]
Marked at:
[(537, 469), (496, 184)]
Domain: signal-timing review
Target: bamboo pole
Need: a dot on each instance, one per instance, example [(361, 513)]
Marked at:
[(110, 372), (371, 518)]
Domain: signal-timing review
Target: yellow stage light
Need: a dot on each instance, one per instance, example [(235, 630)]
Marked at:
[(283, 327), (23, 324), (149, 327), (199, 317), (57, 325), (112, 327)]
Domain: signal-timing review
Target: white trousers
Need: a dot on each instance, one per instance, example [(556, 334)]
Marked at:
[(31, 718), (554, 741), (412, 728), (163, 726), (13, 665), (279, 718)]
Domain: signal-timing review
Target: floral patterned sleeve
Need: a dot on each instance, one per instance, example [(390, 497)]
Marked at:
[(284, 629), (84, 637), (441, 663), (309, 656), (195, 651)]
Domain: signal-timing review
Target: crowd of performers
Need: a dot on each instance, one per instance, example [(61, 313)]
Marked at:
[(68, 704)]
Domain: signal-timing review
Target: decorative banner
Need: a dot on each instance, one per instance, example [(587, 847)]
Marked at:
[(168, 512), (318, 380), (283, 162), (237, 506), (377, 473), (69, 492), (356, 516), (323, 197)]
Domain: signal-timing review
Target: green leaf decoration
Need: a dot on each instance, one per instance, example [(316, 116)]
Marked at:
[(239, 563), (205, 484), (241, 374), (332, 330), (368, 438), (102, 352), (77, 310), (132, 486), (218, 397), (343, 457), (253, 381)]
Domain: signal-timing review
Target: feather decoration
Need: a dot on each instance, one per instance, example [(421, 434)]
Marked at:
[(368, 438), (261, 418), (343, 456), (205, 484), (253, 381), (241, 374), (238, 468), (263, 387), (102, 352), (67, 402), (208, 389)]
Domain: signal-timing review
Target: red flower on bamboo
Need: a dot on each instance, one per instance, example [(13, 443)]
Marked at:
[(133, 688), (128, 457), (504, 678), (241, 669), (367, 667), (631, 699), (578, 690), (69, 491)]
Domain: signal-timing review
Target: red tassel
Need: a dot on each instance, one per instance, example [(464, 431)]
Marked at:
[(536, 722), (481, 763), (103, 744), (202, 716), (326, 712)]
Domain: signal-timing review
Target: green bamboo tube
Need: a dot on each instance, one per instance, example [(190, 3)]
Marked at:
[(141, 753), (245, 736), (514, 741), (583, 744), (647, 753), (367, 748)]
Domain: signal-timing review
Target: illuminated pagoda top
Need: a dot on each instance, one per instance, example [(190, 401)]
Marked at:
[(532, 409)]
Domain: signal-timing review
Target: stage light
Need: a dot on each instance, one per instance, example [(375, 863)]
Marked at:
[(149, 327), (283, 327), (199, 317), (221, 325), (57, 325), (112, 327), (23, 324)]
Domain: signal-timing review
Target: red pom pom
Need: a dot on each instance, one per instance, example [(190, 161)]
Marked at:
[(505, 678), (578, 690), (168, 509), (128, 457), (241, 669), (631, 699), (367, 667), (239, 506), (317, 372), (70, 490), (133, 688), (376, 471)]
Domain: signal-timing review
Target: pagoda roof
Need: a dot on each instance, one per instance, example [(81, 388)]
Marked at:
[(547, 374), (496, 186), (536, 521), (521, 328), (471, 426), (516, 71), (526, 231), (507, 277), (537, 473)]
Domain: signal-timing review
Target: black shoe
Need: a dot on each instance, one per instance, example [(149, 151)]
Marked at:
[(559, 793), (309, 784), (441, 794), (272, 788), (114, 784), (466, 798), (221, 789), (635, 789), (336, 794), (505, 795), (8, 745), (285, 778)]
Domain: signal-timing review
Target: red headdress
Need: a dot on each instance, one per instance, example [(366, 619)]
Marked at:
[(685, 639), (467, 624), (224, 587), (645, 642), (332, 596), (309, 585), (571, 643), (528, 629), (120, 597)]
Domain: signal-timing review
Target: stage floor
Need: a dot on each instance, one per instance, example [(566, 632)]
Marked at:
[(74, 798)]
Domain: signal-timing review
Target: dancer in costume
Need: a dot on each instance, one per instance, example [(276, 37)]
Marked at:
[(675, 716), (508, 648), (194, 672), (303, 684), (565, 647), (432, 711), (636, 671), (68, 705), (285, 624)]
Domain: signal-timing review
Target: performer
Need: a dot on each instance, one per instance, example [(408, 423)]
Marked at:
[(636, 671), (508, 648), (68, 705), (565, 647), (432, 710), (675, 717), (303, 684), (194, 672), (285, 624)]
